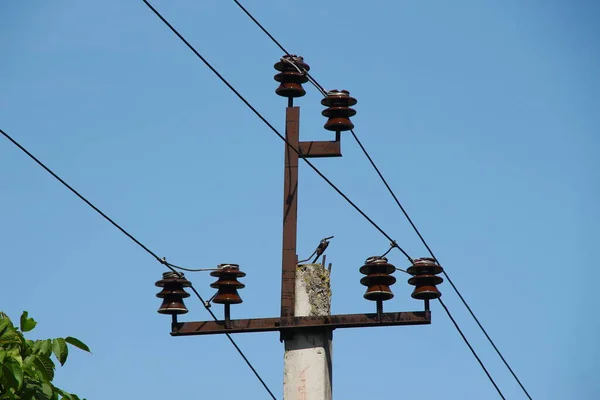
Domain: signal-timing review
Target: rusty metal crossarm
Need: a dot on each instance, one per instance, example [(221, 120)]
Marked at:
[(300, 323), (318, 149)]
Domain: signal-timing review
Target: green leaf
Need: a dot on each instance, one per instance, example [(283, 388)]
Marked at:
[(27, 324), (8, 380), (47, 389), (16, 372), (13, 355), (40, 393), (46, 347), (8, 331), (29, 390), (45, 367), (37, 345), (28, 362), (4, 325), (2, 355), (10, 337), (77, 343), (60, 349), (64, 395)]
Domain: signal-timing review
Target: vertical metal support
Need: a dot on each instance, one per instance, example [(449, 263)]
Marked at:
[(227, 316), (290, 212), (379, 310)]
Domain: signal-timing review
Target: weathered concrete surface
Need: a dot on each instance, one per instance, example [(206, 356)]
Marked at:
[(307, 359)]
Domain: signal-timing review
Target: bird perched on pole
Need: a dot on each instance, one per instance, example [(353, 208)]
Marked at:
[(319, 250), (322, 247)]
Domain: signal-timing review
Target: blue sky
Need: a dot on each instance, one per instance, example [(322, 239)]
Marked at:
[(482, 115)]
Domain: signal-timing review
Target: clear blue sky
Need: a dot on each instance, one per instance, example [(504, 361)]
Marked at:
[(483, 115)]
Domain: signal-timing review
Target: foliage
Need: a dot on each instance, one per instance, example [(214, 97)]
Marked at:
[(26, 366)]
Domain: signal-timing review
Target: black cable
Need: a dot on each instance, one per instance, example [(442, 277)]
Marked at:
[(466, 341), (412, 224), (23, 149), (309, 257), (263, 119), (471, 348), (261, 27), (310, 78), (320, 88), (190, 269), (235, 345), (130, 236)]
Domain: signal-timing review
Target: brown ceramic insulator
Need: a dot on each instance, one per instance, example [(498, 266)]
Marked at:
[(425, 265), (378, 279), (172, 305), (173, 293), (292, 76), (425, 286), (338, 111), (425, 279), (227, 285)]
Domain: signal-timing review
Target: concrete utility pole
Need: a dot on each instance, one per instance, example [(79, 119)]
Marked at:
[(307, 360), (305, 290)]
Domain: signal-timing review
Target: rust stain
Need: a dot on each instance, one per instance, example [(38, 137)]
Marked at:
[(302, 386)]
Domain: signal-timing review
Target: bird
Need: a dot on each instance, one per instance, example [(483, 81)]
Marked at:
[(322, 247)]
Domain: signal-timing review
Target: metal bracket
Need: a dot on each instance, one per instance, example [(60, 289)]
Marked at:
[(320, 149), (296, 324)]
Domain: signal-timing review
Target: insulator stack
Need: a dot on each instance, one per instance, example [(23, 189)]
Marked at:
[(227, 285), (173, 293), (378, 280), (425, 271), (292, 76), (338, 111)]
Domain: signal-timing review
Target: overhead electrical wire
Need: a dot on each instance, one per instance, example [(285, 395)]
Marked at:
[(263, 119), (164, 261), (398, 203), (312, 80), (140, 244), (238, 94), (241, 353), (412, 224), (471, 348)]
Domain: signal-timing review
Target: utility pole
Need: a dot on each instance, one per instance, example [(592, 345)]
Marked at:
[(307, 365), (307, 359), (305, 324)]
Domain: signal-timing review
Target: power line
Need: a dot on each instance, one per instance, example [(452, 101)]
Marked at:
[(241, 353), (310, 78), (136, 241), (263, 119), (164, 261), (480, 326), (414, 227), (464, 338), (300, 155), (470, 347), (412, 224)]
